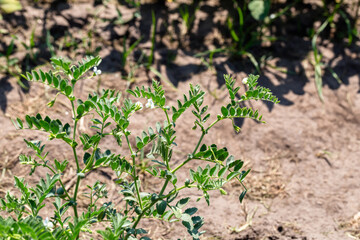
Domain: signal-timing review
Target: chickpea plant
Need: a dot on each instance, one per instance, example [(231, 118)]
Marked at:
[(69, 220)]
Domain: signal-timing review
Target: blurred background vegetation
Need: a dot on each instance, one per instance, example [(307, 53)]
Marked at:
[(136, 37)]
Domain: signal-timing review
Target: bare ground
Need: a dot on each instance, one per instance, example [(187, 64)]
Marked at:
[(305, 180)]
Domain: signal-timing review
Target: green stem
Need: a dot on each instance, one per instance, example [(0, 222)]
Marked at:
[(154, 202), (187, 160), (166, 181), (164, 187), (134, 176), (75, 195), (74, 136), (146, 209), (197, 145), (188, 186), (61, 183), (91, 197), (166, 157), (161, 191), (211, 125), (166, 160), (199, 142), (141, 215), (180, 165), (167, 115), (135, 181), (63, 186), (89, 164), (76, 160)]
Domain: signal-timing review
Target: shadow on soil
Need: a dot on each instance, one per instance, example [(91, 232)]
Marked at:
[(291, 43)]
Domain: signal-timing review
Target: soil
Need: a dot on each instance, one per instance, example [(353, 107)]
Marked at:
[(304, 182)]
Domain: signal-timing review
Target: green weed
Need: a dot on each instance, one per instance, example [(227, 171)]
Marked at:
[(110, 120)]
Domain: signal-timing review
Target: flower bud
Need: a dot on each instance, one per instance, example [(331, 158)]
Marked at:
[(150, 104), (245, 80), (138, 106), (96, 71)]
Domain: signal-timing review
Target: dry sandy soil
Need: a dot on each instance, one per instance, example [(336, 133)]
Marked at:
[(305, 181)]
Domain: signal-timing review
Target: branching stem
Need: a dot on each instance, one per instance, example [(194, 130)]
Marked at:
[(76, 160), (134, 175), (189, 158)]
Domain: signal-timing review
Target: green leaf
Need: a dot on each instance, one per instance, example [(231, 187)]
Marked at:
[(161, 206), (19, 183), (234, 35), (132, 92), (259, 9), (232, 111), (194, 96), (158, 127), (232, 175), (28, 121), (192, 174), (61, 166), (50, 183), (20, 123), (224, 111), (44, 125), (139, 143), (63, 85), (230, 160), (151, 131), (214, 170), (68, 90), (10, 6), (55, 81), (96, 121), (35, 75), (222, 191), (242, 195), (80, 110), (177, 212), (35, 122), (243, 175), (48, 78), (67, 129), (42, 76), (54, 127), (172, 197), (86, 157), (249, 94), (180, 204), (237, 165), (222, 172), (206, 118), (191, 211)]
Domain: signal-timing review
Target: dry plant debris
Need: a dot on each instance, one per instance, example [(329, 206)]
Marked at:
[(352, 227), (268, 183)]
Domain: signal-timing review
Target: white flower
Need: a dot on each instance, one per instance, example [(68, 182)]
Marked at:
[(272, 16), (245, 81), (138, 106), (97, 71), (48, 223), (150, 104)]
